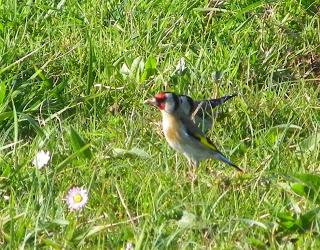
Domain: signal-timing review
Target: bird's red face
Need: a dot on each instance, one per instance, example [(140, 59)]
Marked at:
[(159, 100), (165, 101)]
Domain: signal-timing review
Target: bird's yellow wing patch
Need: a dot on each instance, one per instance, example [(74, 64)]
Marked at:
[(208, 143), (204, 140)]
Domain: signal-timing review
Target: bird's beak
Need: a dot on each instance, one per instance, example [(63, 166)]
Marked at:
[(151, 101)]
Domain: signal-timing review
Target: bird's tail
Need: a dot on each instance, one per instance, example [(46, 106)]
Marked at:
[(224, 159), (221, 100)]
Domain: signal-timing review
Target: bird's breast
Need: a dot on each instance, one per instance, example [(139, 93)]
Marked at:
[(172, 130)]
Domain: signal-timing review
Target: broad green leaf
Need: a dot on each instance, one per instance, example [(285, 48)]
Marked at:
[(312, 181), (309, 218), (139, 152), (136, 64), (136, 68), (276, 132), (305, 191), (300, 189), (118, 152), (188, 220), (310, 143), (77, 143), (61, 222), (271, 137), (293, 223), (288, 222), (149, 68), (255, 223), (308, 186), (125, 71), (151, 63)]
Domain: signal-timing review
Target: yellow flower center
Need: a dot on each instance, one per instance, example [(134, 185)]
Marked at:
[(77, 198)]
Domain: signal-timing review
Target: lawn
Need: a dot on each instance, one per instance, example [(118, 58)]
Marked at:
[(73, 79)]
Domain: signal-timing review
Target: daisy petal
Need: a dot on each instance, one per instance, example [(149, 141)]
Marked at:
[(77, 198), (41, 160)]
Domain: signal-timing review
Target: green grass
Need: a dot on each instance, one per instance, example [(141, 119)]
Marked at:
[(53, 54)]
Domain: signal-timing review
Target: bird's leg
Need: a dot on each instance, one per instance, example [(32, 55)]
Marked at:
[(192, 172)]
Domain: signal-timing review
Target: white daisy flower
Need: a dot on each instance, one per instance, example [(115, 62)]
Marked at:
[(181, 66), (77, 198), (129, 246), (42, 158)]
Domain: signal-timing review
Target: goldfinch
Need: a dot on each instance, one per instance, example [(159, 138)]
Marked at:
[(201, 111), (181, 132)]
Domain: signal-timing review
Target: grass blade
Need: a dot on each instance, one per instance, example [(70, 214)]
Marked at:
[(78, 143)]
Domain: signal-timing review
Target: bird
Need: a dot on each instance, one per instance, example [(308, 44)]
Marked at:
[(200, 111), (182, 134)]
